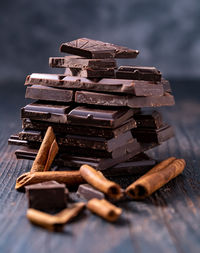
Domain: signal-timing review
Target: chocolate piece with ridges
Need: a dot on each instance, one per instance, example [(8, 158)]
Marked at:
[(97, 49), (40, 92), (138, 73), (47, 196), (90, 73), (82, 63), (117, 100), (148, 119)]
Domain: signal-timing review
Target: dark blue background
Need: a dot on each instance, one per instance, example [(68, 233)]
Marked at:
[(165, 32)]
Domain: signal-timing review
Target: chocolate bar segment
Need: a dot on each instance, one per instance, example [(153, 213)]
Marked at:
[(97, 49), (99, 116), (44, 111), (148, 119), (40, 92), (48, 196), (139, 73), (81, 63), (28, 124), (90, 73), (153, 135), (134, 87), (117, 100), (88, 192)]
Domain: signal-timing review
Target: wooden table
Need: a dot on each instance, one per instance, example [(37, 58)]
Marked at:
[(168, 221)]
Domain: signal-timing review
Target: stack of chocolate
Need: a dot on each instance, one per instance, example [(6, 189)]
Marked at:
[(96, 110)]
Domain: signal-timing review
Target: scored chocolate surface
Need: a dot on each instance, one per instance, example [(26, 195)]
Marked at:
[(134, 87), (82, 63), (117, 100), (90, 73), (97, 49), (48, 196), (138, 73)]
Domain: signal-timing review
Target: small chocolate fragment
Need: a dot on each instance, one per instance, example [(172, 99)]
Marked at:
[(90, 73), (97, 49), (153, 135), (82, 63), (148, 119), (47, 196), (117, 100), (138, 73), (88, 192), (49, 94)]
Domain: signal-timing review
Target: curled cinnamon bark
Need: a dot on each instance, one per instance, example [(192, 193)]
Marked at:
[(54, 222), (67, 177), (156, 178), (104, 209), (97, 179), (47, 152)]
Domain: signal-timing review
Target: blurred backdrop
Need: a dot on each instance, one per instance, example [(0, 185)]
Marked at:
[(166, 33)]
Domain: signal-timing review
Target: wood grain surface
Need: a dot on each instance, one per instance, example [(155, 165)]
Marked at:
[(168, 221)]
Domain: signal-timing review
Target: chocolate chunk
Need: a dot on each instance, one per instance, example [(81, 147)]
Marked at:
[(137, 165), (166, 85), (28, 124), (88, 192), (81, 141), (117, 100), (48, 196), (44, 111), (99, 116), (14, 140), (48, 93), (82, 63), (138, 73), (137, 88), (97, 49), (90, 73), (153, 135), (148, 119)]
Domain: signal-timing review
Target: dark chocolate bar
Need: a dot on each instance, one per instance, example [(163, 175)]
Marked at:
[(153, 135), (148, 119), (44, 111), (134, 87), (40, 92), (100, 116), (88, 192), (139, 73), (48, 196), (82, 63), (117, 100), (90, 73), (81, 141), (97, 49), (28, 124)]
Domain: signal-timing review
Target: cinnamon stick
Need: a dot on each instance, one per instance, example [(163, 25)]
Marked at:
[(104, 209), (47, 152), (54, 222), (68, 177), (97, 179), (156, 178)]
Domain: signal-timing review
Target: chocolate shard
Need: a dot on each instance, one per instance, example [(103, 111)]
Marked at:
[(88, 192), (40, 92), (44, 111), (97, 49), (153, 135), (98, 143), (28, 124), (117, 100), (48, 196), (139, 73), (134, 87), (81, 63), (90, 73), (100, 116), (149, 119)]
